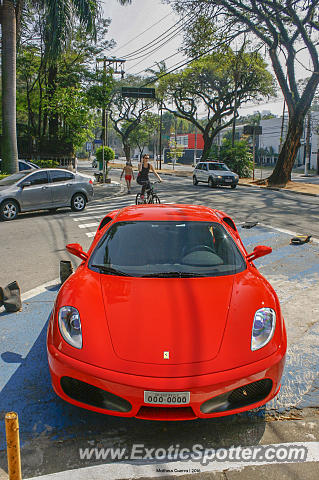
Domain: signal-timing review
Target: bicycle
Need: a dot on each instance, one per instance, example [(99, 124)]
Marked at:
[(149, 197)]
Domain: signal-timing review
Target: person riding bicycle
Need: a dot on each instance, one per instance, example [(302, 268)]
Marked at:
[(144, 169)]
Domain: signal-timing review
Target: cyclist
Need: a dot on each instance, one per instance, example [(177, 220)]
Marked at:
[(144, 169)]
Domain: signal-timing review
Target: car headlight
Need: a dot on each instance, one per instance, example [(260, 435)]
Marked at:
[(263, 327), (70, 326), (219, 176)]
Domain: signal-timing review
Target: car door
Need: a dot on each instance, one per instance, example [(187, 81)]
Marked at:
[(61, 185), (205, 173), (35, 193), (198, 171)]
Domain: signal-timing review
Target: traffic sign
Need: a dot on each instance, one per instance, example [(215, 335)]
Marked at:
[(138, 92), (252, 129)]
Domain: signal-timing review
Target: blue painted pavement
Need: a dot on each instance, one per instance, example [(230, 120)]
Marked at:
[(25, 385)]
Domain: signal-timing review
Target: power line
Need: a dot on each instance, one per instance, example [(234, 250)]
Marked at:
[(161, 37), (209, 50), (140, 34)]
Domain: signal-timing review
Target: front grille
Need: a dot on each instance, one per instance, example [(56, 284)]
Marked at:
[(240, 397), (94, 396), (166, 413)]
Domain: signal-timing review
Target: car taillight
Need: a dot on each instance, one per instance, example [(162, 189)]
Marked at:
[(91, 182)]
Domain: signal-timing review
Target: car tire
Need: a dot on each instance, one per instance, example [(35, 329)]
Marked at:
[(195, 181), (78, 202), (233, 186), (211, 183), (9, 210)]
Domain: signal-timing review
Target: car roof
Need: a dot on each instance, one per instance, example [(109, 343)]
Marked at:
[(179, 212)]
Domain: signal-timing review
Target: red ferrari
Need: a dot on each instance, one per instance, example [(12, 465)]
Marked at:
[(167, 318)]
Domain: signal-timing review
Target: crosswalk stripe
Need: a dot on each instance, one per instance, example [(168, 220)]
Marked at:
[(88, 218), (90, 234), (87, 225)]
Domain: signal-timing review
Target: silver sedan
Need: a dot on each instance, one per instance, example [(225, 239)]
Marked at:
[(47, 188)]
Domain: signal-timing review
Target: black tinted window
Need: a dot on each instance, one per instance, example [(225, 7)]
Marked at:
[(204, 166), (24, 166), (60, 176), (38, 178), (199, 166), (218, 166), (168, 248)]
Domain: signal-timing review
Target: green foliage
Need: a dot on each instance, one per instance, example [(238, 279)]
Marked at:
[(238, 158), (47, 163), (3, 175), (71, 105), (108, 154), (176, 151)]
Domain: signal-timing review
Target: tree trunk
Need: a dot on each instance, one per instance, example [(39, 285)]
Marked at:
[(53, 118), (127, 151), (208, 141), (8, 59), (282, 171)]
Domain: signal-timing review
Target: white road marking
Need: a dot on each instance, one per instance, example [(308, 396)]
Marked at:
[(88, 218), (132, 470), (87, 225), (90, 234), (288, 232)]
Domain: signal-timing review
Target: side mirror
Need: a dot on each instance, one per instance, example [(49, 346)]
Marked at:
[(26, 184), (77, 250), (259, 251)]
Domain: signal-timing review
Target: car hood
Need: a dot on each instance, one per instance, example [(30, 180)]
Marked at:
[(223, 173), (149, 317)]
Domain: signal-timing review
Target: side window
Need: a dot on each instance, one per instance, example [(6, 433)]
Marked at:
[(199, 166), (60, 176), (24, 166), (205, 166), (38, 178)]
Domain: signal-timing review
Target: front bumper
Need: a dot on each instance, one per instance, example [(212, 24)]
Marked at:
[(226, 181), (130, 388)]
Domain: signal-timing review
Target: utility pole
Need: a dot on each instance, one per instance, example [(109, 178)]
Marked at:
[(195, 149), (308, 146), (160, 136), (117, 68)]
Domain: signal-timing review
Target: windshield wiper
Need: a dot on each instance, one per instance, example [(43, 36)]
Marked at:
[(172, 275), (110, 270)]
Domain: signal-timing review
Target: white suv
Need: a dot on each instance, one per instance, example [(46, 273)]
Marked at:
[(214, 173)]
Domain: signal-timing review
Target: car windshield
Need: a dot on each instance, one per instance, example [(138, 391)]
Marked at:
[(218, 166), (171, 249), (11, 179)]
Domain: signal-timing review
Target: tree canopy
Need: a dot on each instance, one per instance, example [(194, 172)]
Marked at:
[(287, 30)]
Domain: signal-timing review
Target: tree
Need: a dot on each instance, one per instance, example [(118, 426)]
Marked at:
[(143, 134), (126, 113), (238, 157), (60, 16), (288, 30), (213, 82)]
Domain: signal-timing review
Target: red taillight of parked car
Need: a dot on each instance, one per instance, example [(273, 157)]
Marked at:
[(91, 182)]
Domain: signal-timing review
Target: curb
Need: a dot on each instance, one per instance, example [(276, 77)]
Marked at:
[(277, 189)]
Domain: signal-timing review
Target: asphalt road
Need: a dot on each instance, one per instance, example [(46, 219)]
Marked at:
[(32, 246), (52, 431)]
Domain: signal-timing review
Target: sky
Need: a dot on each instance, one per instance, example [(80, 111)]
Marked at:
[(136, 25)]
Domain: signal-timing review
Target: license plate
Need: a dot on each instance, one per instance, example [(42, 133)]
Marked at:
[(228, 180), (167, 398)]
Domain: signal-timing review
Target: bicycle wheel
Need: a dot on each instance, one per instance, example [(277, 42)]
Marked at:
[(139, 200), (156, 199)]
